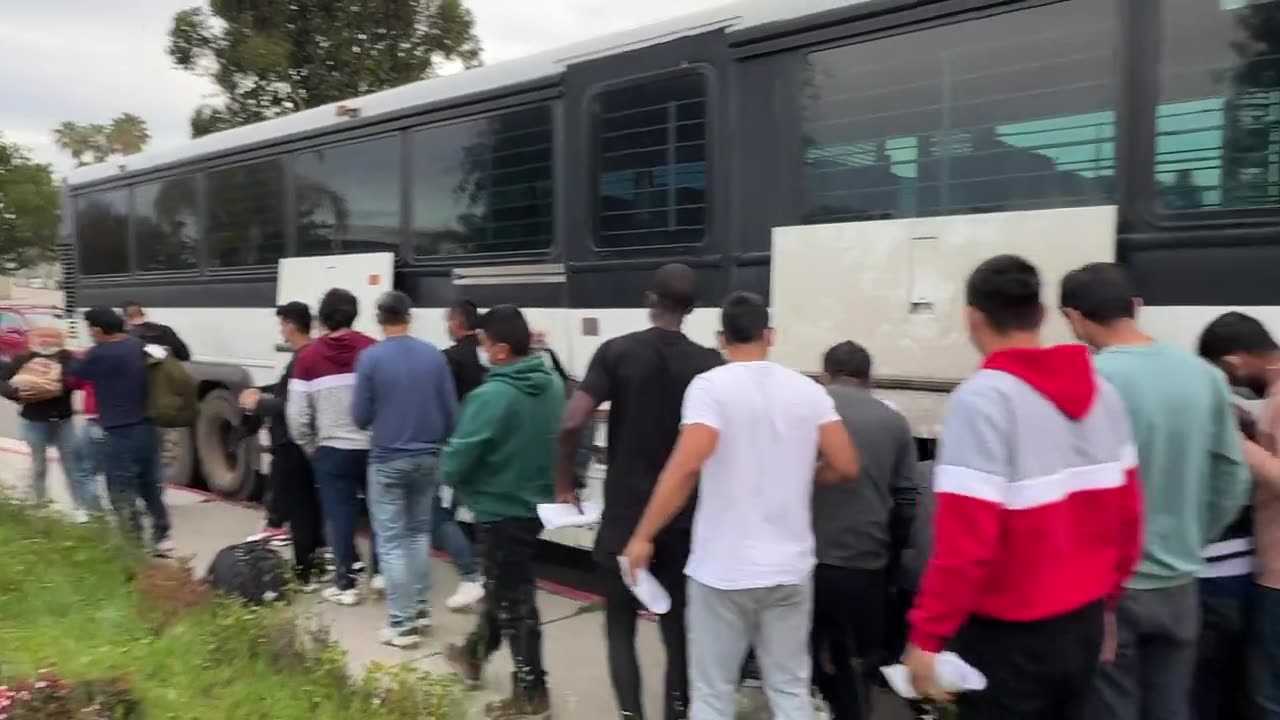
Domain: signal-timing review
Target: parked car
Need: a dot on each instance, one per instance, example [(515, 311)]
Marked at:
[(16, 322)]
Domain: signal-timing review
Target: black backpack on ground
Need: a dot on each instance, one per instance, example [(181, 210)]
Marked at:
[(250, 571)]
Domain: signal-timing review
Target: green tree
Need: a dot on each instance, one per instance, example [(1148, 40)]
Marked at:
[(28, 209), (274, 57), (126, 134)]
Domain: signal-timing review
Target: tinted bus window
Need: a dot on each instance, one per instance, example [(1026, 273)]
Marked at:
[(102, 232), (1009, 112), (653, 164), (484, 185), (246, 214), (348, 198), (166, 224), (1217, 145)]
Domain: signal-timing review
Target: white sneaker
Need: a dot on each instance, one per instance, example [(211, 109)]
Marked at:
[(403, 638), (378, 584), (423, 619), (164, 548), (80, 517), (467, 595), (346, 598), (308, 588)]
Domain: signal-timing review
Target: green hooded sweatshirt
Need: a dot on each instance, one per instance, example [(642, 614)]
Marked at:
[(501, 458)]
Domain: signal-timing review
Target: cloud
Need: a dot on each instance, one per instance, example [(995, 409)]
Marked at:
[(88, 60)]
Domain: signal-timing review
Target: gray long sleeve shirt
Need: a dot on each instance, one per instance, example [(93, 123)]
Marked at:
[(853, 521)]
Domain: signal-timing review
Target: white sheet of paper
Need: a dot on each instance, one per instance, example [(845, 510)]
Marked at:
[(647, 589), (446, 496), (563, 515), (954, 675)]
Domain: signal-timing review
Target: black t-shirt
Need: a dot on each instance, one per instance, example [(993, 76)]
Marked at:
[(643, 375)]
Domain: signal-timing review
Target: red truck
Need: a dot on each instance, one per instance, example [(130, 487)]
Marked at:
[(16, 321)]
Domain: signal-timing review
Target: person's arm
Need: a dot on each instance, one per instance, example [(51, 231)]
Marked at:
[(448, 393), (595, 389), (905, 491), (299, 409), (1129, 530), (970, 479), (1229, 469), (464, 454), (837, 457), (179, 348), (363, 399), (8, 370)]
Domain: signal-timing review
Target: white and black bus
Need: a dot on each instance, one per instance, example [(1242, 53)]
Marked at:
[(560, 181)]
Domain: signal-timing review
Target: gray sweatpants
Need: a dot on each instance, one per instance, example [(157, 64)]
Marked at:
[(1155, 664), (724, 624)]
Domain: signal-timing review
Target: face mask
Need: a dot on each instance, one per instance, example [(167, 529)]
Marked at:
[(483, 356), (46, 351)]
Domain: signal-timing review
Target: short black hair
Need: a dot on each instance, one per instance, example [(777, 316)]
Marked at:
[(127, 304), (467, 313), (847, 359), (1101, 292), (675, 288), (1006, 289), (105, 319), (505, 325), (394, 308), (297, 314), (744, 317), (1235, 333), (338, 309)]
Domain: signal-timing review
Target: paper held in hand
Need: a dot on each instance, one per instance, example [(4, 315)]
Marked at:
[(563, 515), (954, 675), (647, 589)]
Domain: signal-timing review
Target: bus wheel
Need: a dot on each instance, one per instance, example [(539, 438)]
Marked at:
[(228, 463), (177, 457)]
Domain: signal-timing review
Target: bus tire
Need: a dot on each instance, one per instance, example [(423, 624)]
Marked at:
[(177, 457), (230, 468)]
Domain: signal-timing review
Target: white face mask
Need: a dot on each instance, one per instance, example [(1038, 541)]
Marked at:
[(483, 356), (46, 351)]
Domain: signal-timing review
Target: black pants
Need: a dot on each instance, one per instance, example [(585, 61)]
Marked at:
[(848, 622), (1040, 670), (293, 486), (1224, 666), (671, 551), (510, 610)]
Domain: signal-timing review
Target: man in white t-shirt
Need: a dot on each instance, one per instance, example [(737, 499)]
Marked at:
[(753, 430)]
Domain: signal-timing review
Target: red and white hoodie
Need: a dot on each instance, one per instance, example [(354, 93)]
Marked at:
[(318, 409), (1039, 503)]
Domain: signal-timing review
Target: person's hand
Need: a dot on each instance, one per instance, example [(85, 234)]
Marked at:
[(26, 395), (924, 675), (569, 496), (639, 553), (249, 399), (1110, 637)]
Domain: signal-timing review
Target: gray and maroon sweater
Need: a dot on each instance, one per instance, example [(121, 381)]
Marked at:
[(321, 391)]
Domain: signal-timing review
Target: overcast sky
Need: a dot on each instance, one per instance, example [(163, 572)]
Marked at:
[(89, 60)]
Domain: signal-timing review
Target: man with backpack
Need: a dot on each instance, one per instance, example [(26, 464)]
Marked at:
[(643, 375), (117, 367)]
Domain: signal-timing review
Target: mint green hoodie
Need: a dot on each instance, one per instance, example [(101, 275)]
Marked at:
[(501, 458), (1194, 476)]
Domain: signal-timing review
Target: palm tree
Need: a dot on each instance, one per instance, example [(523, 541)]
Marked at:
[(78, 140), (127, 134)]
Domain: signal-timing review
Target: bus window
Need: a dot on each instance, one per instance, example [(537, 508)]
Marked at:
[(246, 221), (166, 224), (483, 185), (348, 198), (1008, 112), (1216, 144), (652, 159), (102, 232)]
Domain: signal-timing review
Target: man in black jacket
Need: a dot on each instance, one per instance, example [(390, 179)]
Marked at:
[(464, 355), (153, 333), (291, 480)]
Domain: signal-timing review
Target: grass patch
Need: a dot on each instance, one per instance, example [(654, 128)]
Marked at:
[(75, 601)]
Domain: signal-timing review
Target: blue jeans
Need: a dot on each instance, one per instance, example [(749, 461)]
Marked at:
[(40, 435), (401, 492), (449, 539), (340, 478), (1267, 609), (133, 474)]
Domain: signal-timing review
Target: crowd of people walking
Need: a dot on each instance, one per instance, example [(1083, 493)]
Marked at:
[(1086, 540)]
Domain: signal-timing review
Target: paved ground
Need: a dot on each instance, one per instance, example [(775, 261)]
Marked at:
[(573, 637)]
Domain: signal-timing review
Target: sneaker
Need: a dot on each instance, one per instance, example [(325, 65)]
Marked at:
[(467, 595), (378, 584), (163, 548), (308, 588), (423, 618), (341, 597), (272, 535), (80, 517), (470, 669), (520, 706), (358, 567), (403, 638)]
